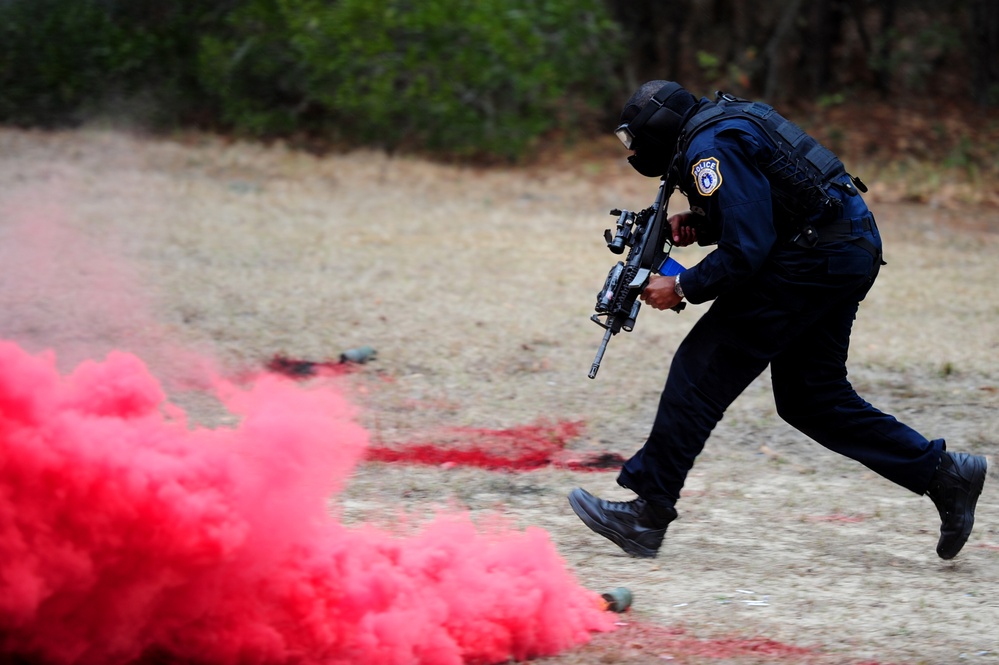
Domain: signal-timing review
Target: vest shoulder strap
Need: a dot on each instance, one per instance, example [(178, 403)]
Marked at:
[(799, 161)]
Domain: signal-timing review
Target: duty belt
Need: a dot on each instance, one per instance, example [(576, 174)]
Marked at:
[(838, 231)]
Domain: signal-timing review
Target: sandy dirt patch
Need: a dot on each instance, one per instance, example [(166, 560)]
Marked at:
[(475, 287)]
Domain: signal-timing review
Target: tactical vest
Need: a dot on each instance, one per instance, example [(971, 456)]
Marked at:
[(801, 169)]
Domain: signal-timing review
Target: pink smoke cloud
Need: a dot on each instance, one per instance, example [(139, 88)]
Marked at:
[(128, 534)]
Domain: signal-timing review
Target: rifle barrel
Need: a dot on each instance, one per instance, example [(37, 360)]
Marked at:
[(600, 353)]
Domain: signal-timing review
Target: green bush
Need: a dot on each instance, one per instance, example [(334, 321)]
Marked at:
[(62, 59), (458, 76), (463, 77), (55, 54), (249, 68)]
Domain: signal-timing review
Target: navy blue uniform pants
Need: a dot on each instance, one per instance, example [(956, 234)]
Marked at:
[(794, 315)]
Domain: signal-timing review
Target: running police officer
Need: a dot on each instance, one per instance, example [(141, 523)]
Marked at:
[(797, 250)]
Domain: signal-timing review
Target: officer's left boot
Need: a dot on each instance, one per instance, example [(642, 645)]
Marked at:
[(638, 527), (955, 488)]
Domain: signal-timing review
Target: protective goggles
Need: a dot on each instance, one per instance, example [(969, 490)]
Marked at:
[(626, 131), (623, 132)]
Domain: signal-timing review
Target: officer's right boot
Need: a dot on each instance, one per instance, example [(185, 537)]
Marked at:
[(637, 526), (955, 488)]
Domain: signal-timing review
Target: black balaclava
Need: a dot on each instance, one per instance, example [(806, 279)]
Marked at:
[(654, 116)]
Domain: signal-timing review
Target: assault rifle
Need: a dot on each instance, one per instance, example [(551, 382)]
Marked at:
[(648, 235)]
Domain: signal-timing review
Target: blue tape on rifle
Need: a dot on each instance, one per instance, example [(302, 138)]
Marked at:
[(670, 268)]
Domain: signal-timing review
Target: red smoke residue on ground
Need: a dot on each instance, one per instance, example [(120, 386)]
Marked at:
[(660, 643), (127, 533), (524, 448)]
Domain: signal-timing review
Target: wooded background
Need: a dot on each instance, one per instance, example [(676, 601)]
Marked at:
[(823, 49), (475, 78)]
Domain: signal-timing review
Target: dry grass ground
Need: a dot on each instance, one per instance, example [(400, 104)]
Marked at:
[(475, 286)]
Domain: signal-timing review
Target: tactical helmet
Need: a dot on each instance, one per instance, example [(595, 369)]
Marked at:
[(651, 123)]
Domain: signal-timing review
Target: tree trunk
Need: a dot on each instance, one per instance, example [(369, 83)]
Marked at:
[(824, 25), (985, 51), (883, 73), (773, 51), (654, 31)]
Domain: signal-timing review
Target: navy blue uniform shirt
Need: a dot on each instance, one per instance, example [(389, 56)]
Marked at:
[(722, 179)]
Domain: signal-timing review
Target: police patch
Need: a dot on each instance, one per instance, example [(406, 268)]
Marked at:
[(707, 175)]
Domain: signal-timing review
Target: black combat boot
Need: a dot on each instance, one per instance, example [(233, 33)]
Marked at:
[(635, 526), (954, 488)]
